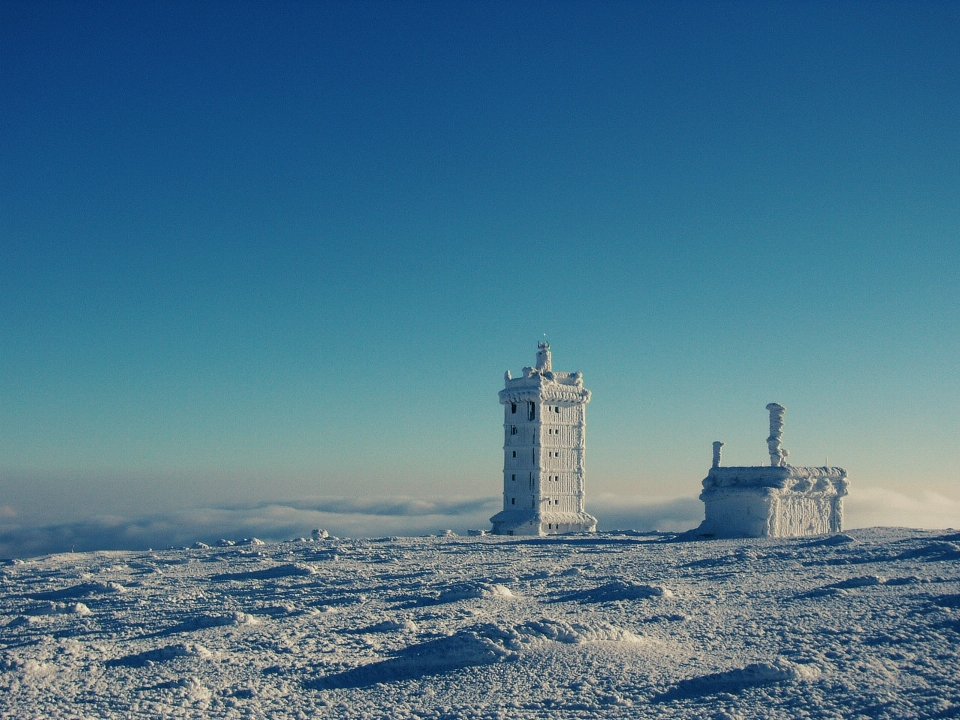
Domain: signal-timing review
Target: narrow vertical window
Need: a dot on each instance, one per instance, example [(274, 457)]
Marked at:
[(514, 453), (532, 411), (513, 408), (513, 501), (513, 429), (513, 477)]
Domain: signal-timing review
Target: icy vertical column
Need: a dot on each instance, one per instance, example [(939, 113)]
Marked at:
[(716, 453), (778, 456)]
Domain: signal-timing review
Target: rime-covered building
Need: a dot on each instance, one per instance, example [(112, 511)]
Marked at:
[(544, 424), (778, 500)]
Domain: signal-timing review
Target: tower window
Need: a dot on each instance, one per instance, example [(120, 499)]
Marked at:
[(513, 501), (513, 429), (532, 411), (513, 477), (556, 409), (514, 453), (513, 408)]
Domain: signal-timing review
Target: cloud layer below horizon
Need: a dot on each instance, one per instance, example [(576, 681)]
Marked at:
[(379, 517)]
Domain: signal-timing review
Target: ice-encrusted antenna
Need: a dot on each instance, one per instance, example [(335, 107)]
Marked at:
[(778, 456), (543, 356), (716, 453)]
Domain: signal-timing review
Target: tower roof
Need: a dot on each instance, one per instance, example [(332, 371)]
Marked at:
[(541, 383)]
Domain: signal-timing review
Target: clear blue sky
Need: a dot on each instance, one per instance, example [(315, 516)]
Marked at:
[(257, 251)]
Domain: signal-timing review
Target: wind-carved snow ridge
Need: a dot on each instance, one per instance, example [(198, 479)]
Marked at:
[(389, 626), (277, 571), (617, 591), (575, 633), (739, 679), (478, 645), (934, 552), (82, 590), (162, 654), (466, 591)]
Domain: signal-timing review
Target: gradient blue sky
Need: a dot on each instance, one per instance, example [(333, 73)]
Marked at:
[(257, 251)]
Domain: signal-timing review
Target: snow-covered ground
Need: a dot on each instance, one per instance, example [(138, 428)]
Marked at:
[(863, 624)]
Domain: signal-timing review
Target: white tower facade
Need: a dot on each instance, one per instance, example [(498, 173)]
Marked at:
[(544, 424)]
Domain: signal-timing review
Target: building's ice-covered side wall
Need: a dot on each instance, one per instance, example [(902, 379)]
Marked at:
[(776, 501), (544, 444)]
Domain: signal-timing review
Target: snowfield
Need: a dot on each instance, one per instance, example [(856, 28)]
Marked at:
[(862, 624)]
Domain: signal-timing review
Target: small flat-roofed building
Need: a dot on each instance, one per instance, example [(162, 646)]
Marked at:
[(778, 500)]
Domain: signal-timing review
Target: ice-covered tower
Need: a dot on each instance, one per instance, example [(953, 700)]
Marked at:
[(544, 426)]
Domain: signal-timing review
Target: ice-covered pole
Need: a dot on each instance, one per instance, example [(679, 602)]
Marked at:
[(778, 456), (716, 452)]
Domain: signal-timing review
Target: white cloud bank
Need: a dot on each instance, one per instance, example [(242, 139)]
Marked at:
[(875, 506), (620, 512), (345, 517), (379, 517)]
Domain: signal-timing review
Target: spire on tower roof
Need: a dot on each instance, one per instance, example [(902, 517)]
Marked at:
[(543, 356)]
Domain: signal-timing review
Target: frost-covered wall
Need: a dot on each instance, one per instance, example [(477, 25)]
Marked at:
[(543, 452), (776, 501)]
